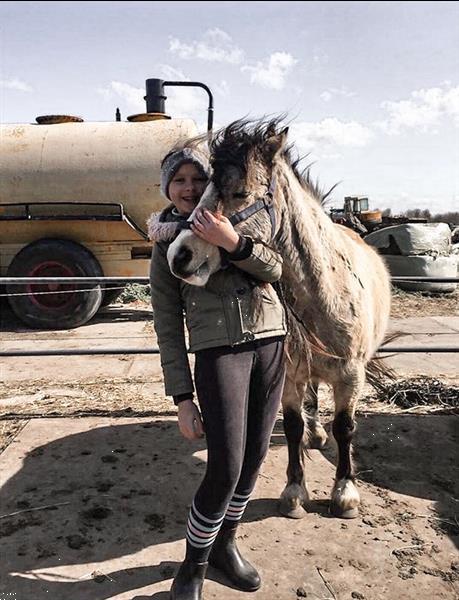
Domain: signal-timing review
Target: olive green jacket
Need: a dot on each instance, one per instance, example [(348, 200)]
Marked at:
[(219, 314)]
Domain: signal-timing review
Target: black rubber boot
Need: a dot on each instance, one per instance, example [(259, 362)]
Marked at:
[(226, 557), (187, 584)]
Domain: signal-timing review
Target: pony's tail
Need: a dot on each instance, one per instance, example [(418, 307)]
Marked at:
[(378, 373)]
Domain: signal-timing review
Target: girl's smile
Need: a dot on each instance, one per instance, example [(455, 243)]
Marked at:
[(186, 188)]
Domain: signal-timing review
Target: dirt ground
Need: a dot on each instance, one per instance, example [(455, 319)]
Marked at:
[(413, 304), (83, 516), (39, 396), (109, 533)]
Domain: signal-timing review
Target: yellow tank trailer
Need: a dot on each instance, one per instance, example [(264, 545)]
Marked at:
[(74, 200)]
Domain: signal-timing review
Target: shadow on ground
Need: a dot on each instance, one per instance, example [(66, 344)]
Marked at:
[(121, 489), (413, 455)]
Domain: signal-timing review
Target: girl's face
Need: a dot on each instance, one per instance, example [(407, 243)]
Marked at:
[(186, 188)]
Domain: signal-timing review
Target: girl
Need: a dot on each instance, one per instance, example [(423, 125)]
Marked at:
[(239, 368)]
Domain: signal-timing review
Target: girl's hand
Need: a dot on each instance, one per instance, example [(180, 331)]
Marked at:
[(215, 229), (189, 420)]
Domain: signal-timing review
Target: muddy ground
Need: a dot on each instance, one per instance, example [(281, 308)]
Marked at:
[(96, 481)]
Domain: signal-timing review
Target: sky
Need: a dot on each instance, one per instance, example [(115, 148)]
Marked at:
[(370, 90)]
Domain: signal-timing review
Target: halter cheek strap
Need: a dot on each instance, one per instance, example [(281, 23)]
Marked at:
[(266, 202)]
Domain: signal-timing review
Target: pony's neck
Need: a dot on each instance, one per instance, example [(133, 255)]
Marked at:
[(307, 241)]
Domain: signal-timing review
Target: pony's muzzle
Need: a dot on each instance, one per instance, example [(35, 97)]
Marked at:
[(180, 262)]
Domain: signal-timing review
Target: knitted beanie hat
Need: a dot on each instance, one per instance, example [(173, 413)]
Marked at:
[(175, 159)]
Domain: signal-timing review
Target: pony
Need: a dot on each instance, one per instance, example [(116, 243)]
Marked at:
[(335, 289)]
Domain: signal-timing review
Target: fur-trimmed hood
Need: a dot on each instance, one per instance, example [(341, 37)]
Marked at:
[(163, 226)]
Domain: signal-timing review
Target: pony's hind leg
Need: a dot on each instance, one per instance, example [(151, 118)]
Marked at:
[(316, 434), (345, 498), (295, 494)]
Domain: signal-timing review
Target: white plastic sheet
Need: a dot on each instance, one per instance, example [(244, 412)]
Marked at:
[(423, 266), (412, 239)]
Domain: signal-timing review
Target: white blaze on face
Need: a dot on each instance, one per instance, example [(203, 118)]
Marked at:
[(209, 199), (203, 258)]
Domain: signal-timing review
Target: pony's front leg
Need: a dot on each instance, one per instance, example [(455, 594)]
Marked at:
[(295, 494), (345, 498)]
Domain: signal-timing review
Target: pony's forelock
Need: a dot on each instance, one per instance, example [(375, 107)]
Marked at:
[(235, 144)]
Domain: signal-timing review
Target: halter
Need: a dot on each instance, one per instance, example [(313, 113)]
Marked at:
[(265, 202)]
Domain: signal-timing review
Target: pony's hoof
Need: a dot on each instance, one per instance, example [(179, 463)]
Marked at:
[(286, 510), (345, 500), (346, 513), (293, 500)]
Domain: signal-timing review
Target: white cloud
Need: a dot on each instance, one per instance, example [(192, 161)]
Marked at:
[(222, 88), (424, 110), (215, 46), (330, 132), (272, 72), (15, 84), (106, 92), (327, 95), (130, 95), (183, 101)]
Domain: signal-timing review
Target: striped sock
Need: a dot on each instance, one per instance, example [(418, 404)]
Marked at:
[(201, 533), (236, 507)]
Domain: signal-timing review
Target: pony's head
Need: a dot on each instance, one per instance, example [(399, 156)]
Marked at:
[(242, 187)]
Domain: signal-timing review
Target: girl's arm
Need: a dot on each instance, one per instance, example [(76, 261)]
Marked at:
[(258, 260), (170, 331), (169, 326), (255, 258)]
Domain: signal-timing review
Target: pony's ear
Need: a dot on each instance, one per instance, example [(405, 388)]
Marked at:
[(275, 143)]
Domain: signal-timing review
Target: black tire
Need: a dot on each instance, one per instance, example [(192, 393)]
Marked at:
[(4, 307), (111, 295), (55, 258)]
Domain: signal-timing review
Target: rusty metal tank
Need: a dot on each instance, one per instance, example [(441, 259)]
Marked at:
[(82, 162), (74, 201)]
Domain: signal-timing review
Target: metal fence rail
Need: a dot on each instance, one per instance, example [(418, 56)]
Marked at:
[(144, 281), (117, 351)]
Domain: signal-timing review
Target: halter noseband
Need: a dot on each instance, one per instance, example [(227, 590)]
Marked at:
[(265, 201)]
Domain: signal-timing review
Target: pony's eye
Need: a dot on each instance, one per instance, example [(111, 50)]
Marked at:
[(240, 195)]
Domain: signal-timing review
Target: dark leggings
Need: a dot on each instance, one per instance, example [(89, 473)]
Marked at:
[(239, 390)]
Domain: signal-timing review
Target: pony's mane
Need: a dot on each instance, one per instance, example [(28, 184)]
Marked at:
[(235, 143)]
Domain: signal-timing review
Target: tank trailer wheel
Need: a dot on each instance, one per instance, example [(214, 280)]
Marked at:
[(66, 308)]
